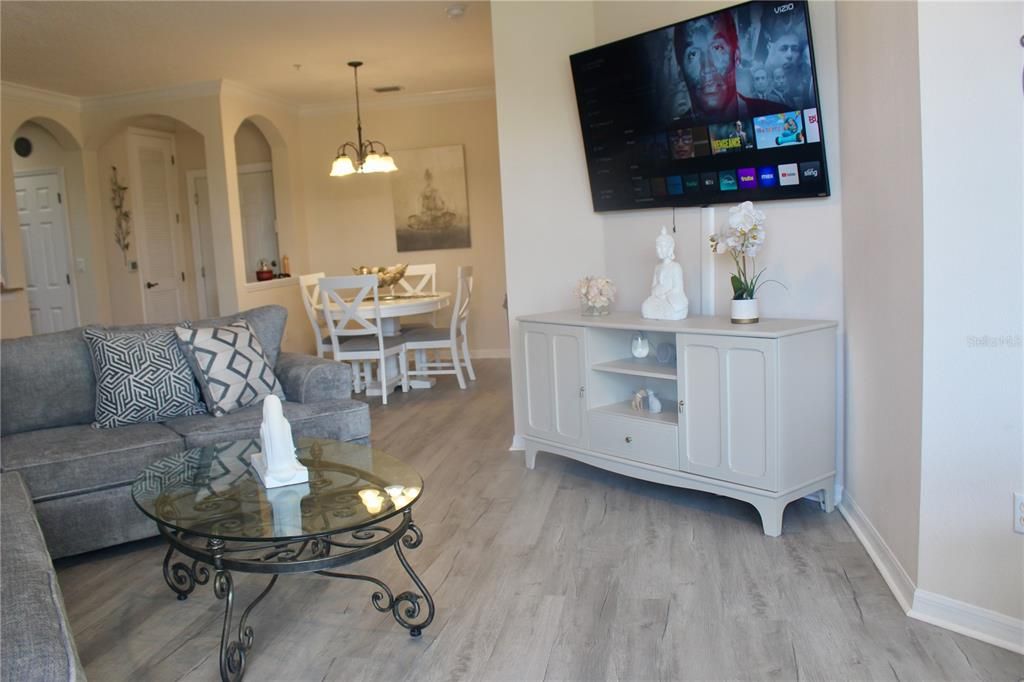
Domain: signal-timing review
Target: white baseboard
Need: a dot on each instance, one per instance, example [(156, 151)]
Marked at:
[(967, 619), (973, 621), (518, 443), (892, 571), (489, 353)]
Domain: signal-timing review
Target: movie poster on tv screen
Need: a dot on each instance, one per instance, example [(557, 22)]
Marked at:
[(689, 143), (779, 130), (729, 138), (739, 63)]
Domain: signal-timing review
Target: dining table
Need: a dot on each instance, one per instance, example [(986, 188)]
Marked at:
[(394, 306)]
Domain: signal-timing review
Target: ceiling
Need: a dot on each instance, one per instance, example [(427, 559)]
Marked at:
[(90, 49)]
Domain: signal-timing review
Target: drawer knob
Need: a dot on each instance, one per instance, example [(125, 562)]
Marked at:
[(629, 439)]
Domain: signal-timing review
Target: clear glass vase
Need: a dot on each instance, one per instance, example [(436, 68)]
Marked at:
[(589, 310)]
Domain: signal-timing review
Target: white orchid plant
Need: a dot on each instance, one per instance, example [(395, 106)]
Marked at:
[(597, 292), (742, 241)]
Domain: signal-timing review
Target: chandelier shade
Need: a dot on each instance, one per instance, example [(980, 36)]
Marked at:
[(362, 156)]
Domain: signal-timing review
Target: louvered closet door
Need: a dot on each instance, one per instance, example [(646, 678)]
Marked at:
[(156, 219)]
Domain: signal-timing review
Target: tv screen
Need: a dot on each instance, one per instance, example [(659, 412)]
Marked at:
[(719, 108)]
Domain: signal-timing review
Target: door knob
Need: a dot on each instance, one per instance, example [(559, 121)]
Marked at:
[(629, 439), (150, 285)]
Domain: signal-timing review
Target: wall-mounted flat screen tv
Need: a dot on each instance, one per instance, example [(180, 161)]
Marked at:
[(720, 108)]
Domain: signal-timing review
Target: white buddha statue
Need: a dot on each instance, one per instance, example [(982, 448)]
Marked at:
[(277, 464), (668, 296)]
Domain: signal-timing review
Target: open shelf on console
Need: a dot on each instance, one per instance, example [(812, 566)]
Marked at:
[(668, 414), (642, 367)]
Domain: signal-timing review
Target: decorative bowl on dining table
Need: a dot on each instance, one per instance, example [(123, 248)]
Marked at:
[(387, 276)]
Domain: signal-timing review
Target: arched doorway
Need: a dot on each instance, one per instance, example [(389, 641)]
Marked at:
[(44, 157), (147, 205)]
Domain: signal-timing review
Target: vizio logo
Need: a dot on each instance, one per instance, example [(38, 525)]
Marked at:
[(784, 8)]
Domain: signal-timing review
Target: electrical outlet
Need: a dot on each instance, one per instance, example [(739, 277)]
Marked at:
[(1018, 512)]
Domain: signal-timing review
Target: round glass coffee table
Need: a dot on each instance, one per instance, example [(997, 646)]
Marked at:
[(209, 504)]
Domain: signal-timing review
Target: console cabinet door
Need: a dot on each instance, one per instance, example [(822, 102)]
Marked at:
[(554, 404), (728, 422)]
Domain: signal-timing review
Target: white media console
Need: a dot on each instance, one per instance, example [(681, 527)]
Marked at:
[(748, 410)]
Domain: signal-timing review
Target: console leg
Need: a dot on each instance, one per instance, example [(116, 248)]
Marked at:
[(771, 517), (828, 499), (531, 456)]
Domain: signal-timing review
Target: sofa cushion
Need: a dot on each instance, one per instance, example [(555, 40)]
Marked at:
[(338, 419), (141, 376), (229, 362), (267, 323), (37, 639), (45, 381), (70, 459)]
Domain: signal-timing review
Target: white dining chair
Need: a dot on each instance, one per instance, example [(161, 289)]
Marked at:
[(420, 279), (448, 338), (309, 285), (364, 340)]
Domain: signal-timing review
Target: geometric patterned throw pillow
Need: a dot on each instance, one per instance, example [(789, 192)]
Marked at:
[(141, 376), (229, 362)]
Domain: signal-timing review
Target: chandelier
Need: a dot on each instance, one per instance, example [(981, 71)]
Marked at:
[(363, 156)]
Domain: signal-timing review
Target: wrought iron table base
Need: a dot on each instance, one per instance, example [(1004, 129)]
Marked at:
[(318, 554)]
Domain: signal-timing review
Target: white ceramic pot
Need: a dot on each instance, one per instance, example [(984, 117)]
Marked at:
[(744, 311)]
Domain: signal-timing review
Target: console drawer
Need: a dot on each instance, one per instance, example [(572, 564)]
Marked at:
[(636, 439)]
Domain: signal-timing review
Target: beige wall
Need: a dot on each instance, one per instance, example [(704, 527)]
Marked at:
[(351, 220), (537, 109), (804, 248), (972, 458), (125, 293), (882, 227), (208, 119), (552, 236)]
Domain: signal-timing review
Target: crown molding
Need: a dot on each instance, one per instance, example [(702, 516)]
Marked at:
[(237, 89), (31, 94), (400, 101), (234, 88), (197, 89)]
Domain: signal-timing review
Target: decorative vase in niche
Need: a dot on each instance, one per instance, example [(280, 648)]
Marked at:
[(744, 311), (640, 346), (593, 310)]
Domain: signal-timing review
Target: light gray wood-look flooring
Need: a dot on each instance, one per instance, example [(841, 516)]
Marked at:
[(562, 573)]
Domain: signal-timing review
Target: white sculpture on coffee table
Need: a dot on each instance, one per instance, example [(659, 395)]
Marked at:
[(668, 296), (277, 464)]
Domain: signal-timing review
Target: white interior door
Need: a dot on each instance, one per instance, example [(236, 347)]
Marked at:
[(259, 217), (202, 246), (44, 239), (156, 223)]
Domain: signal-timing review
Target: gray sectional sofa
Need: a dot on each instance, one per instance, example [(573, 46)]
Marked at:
[(80, 477), (37, 641), (65, 487)]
